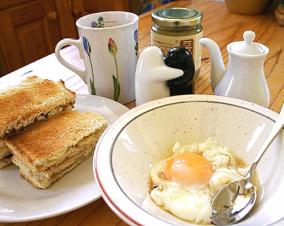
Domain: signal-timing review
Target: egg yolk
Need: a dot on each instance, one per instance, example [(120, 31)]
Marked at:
[(188, 169)]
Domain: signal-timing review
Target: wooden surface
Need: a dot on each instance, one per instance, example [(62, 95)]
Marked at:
[(28, 32), (223, 27), (30, 29)]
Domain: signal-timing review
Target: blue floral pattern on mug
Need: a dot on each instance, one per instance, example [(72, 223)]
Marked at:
[(88, 50), (136, 41), (86, 45)]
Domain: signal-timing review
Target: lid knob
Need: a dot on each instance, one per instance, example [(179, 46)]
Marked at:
[(249, 37)]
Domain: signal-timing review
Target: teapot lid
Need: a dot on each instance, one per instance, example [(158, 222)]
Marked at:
[(248, 47)]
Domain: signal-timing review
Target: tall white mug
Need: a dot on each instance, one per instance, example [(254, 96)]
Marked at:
[(108, 44)]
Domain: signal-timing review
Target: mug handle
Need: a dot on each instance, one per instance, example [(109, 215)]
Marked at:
[(77, 43)]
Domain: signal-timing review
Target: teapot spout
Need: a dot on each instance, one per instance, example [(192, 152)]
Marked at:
[(217, 64)]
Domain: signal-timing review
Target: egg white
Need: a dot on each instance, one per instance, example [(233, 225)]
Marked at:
[(221, 177), (193, 203)]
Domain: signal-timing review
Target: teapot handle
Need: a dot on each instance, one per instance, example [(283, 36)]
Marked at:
[(217, 64)]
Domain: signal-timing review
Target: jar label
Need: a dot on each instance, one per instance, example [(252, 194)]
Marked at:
[(190, 42)]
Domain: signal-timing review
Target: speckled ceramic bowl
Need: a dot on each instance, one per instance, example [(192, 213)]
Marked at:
[(145, 134)]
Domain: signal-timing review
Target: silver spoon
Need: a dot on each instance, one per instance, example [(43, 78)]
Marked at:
[(235, 200)]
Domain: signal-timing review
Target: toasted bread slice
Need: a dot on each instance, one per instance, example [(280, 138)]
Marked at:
[(46, 150), (45, 178), (5, 154), (4, 150), (32, 100), (39, 181), (5, 161)]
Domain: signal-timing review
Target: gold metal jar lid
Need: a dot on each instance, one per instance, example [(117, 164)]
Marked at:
[(177, 17)]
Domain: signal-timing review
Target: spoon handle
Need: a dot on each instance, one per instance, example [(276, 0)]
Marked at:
[(277, 127)]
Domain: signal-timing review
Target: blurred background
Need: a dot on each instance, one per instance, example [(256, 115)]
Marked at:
[(30, 29)]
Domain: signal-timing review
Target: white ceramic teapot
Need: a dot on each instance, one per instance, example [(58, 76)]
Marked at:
[(244, 77)]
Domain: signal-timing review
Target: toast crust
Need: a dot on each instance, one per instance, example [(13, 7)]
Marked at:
[(5, 162), (32, 100), (4, 150)]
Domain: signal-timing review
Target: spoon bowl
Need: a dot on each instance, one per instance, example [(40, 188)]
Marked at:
[(235, 200), (241, 196)]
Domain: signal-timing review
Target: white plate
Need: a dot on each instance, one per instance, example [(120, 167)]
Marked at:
[(20, 201)]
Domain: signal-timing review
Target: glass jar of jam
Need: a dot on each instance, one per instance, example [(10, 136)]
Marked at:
[(178, 27)]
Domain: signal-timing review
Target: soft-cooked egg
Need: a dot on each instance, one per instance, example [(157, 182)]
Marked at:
[(185, 183), (188, 169)]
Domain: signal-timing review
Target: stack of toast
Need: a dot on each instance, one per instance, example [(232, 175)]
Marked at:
[(41, 134), (32, 100)]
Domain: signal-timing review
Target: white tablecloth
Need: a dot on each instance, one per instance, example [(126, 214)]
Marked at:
[(50, 68)]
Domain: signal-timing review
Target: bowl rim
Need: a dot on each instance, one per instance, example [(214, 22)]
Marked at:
[(111, 191)]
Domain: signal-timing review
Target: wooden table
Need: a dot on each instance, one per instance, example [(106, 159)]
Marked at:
[(220, 25)]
